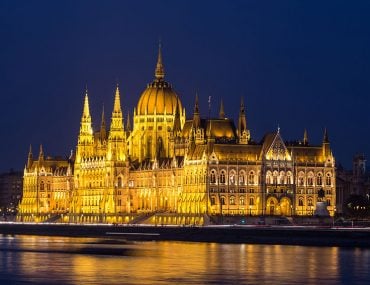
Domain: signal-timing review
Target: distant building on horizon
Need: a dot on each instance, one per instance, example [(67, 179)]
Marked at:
[(162, 167), (10, 192), (352, 182)]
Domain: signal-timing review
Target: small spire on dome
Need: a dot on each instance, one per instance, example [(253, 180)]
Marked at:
[(159, 70)]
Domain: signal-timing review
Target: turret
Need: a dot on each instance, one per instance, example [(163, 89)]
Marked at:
[(117, 136), (86, 131), (325, 144), (85, 138), (243, 132), (116, 127)]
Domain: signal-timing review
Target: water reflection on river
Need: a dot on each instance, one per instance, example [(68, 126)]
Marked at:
[(56, 260)]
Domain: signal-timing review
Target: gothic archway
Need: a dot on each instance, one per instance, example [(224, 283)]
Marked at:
[(272, 206)]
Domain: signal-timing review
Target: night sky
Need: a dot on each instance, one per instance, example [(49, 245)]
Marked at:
[(298, 64)]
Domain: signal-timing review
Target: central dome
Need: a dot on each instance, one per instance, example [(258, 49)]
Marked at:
[(158, 97)]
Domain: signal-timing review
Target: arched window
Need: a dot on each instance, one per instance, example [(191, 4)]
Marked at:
[(222, 177), (275, 177), (282, 177), (213, 200), (149, 147), (301, 178), (268, 177), (251, 201), (232, 200), (319, 179), (241, 178), (310, 179), (232, 178), (309, 202), (328, 179), (251, 178), (241, 200), (223, 200), (119, 182), (213, 176), (300, 202), (289, 178)]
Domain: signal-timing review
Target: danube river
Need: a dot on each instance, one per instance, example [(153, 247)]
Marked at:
[(64, 260)]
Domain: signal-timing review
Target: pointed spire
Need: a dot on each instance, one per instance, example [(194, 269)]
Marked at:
[(325, 144), (222, 112), (103, 118), (177, 122), (242, 104), (30, 152), (117, 101), (116, 130), (30, 158), (196, 105), (103, 131), (128, 124), (243, 131), (196, 116), (242, 117), (305, 137), (159, 70), (41, 153), (86, 126), (326, 137), (86, 110)]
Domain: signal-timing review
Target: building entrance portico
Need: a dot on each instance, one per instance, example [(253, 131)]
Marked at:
[(274, 207)]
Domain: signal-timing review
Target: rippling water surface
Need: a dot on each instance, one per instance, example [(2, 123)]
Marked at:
[(56, 260)]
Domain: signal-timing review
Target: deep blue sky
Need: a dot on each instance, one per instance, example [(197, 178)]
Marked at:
[(298, 64)]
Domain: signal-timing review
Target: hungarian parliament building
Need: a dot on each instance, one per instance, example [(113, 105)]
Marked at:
[(163, 167)]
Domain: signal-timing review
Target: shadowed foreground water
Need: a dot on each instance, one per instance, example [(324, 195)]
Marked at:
[(61, 260)]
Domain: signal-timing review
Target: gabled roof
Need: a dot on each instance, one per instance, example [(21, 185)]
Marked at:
[(274, 148)]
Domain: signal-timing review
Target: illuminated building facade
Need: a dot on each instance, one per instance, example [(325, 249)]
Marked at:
[(166, 169), (47, 187)]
